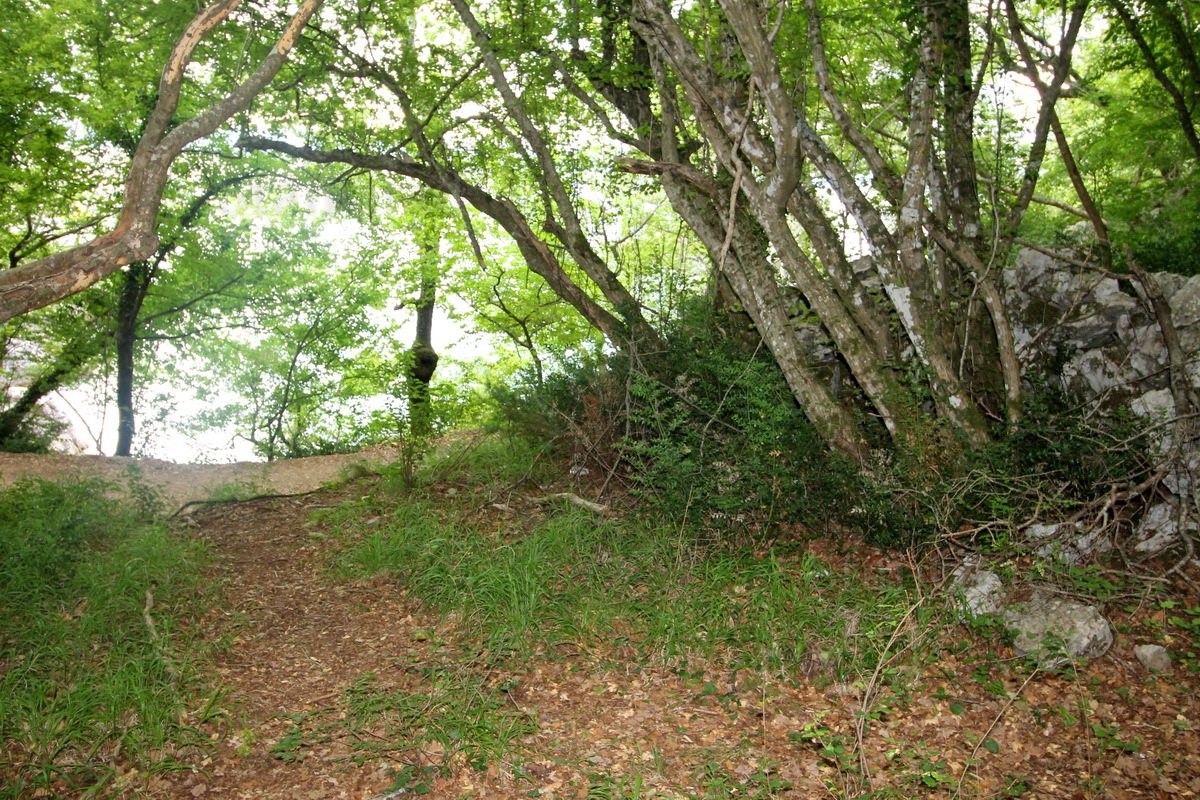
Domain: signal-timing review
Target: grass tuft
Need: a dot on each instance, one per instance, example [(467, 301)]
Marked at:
[(571, 577), (94, 674)]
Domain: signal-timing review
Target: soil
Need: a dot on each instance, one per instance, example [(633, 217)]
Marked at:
[(600, 720), (178, 485)]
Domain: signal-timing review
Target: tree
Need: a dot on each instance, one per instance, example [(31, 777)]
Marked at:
[(824, 156), (134, 325), (133, 238), (749, 171), (423, 357), (299, 377)]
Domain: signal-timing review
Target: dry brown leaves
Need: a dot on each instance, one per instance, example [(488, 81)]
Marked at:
[(605, 719)]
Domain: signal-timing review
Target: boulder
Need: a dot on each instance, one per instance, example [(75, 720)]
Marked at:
[(1054, 631), (1153, 657), (1158, 528), (979, 591), (1185, 302), (1066, 542), (1096, 373)]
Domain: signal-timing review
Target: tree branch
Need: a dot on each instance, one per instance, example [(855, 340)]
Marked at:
[(134, 236)]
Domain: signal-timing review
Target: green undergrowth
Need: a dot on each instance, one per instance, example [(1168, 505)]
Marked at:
[(448, 709), (545, 580), (95, 670), (530, 582)]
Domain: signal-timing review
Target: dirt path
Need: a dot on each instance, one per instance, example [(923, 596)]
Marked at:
[(299, 641), (608, 723), (179, 484), (302, 643)]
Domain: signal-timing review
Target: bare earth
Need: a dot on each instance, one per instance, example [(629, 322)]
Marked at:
[(600, 713), (599, 720), (180, 484)]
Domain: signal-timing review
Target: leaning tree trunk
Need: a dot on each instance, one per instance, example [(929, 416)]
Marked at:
[(920, 223), (71, 359)]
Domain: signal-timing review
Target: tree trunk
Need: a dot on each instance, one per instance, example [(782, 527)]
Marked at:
[(133, 293), (134, 238), (424, 357), (70, 360)]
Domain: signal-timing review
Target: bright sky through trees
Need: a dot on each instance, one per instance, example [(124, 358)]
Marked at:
[(599, 169)]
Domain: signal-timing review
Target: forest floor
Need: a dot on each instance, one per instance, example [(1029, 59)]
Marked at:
[(318, 673)]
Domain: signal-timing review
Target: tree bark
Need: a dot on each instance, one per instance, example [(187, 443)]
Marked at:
[(424, 357), (134, 236), (133, 293)]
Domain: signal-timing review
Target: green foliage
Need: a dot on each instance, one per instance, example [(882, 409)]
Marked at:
[(85, 672), (1184, 622), (1164, 233), (36, 433), (550, 410), (1055, 459), (571, 577), (1127, 137), (312, 379), (719, 444), (489, 460), (45, 530)]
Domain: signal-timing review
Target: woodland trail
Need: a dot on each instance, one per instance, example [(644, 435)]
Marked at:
[(302, 642), (352, 690)]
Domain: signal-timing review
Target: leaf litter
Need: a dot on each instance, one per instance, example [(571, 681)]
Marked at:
[(354, 690)]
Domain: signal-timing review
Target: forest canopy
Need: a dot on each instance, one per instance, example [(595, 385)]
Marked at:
[(264, 194)]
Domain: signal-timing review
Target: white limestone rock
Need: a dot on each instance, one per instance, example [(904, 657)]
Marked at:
[(979, 591), (1153, 657), (1066, 542), (1055, 632), (1185, 303)]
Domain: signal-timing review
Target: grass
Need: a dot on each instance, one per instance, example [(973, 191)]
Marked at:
[(94, 671), (562, 580), (573, 577)]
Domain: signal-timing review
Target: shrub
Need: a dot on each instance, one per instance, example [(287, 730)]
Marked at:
[(718, 442), (574, 412)]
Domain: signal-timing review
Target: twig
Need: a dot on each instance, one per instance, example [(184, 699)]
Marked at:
[(574, 499), (872, 689), (987, 733), (159, 647), (390, 795)]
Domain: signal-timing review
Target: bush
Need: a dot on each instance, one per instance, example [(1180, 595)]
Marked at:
[(574, 413), (36, 433), (44, 530), (1054, 463), (708, 435), (720, 444), (713, 439)]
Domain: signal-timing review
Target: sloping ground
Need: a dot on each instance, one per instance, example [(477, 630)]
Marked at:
[(179, 484), (321, 675)]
